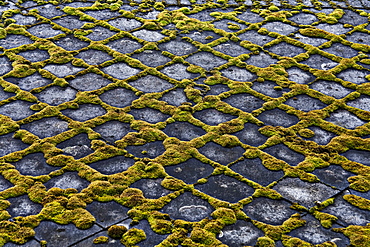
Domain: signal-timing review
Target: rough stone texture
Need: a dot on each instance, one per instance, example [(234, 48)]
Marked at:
[(183, 131), (212, 116), (239, 234), (85, 112), (190, 171), (238, 74), (149, 150), (151, 188), (221, 154), (118, 97), (17, 110), (151, 84), (113, 130), (112, 165), (29, 82), (89, 82), (46, 127), (149, 115), (345, 119), (152, 58), (244, 102), (305, 103), (277, 117)]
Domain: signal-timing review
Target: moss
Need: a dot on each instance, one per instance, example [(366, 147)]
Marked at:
[(100, 240), (265, 242), (225, 215), (116, 231), (132, 237)]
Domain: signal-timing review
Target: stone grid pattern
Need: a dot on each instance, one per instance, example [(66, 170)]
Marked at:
[(214, 124)]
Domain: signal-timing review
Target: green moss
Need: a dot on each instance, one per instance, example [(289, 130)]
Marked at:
[(225, 215), (101, 240), (116, 231), (132, 237)]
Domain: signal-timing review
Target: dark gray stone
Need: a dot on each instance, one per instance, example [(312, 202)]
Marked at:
[(124, 24), (183, 131), (150, 15), (175, 97), (212, 116), (231, 48), (23, 206), (206, 60), (30, 82), (188, 207), (334, 176), (353, 75), (268, 88), (277, 117), (12, 41), (148, 35), (279, 27), (300, 76), (359, 156), (65, 181), (85, 112), (149, 150), (244, 102), (305, 103), (48, 11), (35, 55), (112, 165), (345, 119), (46, 127), (203, 15), (250, 17), (149, 115), (62, 70), (5, 65), (71, 43), (190, 171), (113, 130), (253, 169), (102, 14), (262, 60), (218, 89), (151, 84), (44, 31), (89, 82), (303, 19), (319, 62), (331, 88), (238, 74), (178, 47), (62, 234), (107, 213), (250, 135), (152, 238), (287, 50), (310, 40), (4, 184), (280, 151), (34, 165), (124, 45), (17, 110), (334, 28), (120, 70), (256, 38), (24, 20), (177, 71), (151, 188), (269, 211), (94, 57), (341, 50), (241, 233), (5, 95), (359, 37), (56, 95), (100, 33), (202, 36), (304, 193), (321, 137), (226, 188), (224, 25), (89, 242), (118, 97), (151, 58), (363, 103), (78, 146), (70, 22)]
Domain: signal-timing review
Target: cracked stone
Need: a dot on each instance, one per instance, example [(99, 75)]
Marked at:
[(206, 60), (124, 45), (118, 97), (23, 206), (62, 70), (113, 130), (300, 76), (190, 171), (89, 82), (184, 131), (17, 110), (277, 117), (94, 57), (345, 119), (353, 75), (151, 58), (188, 207), (78, 146), (151, 36), (253, 169), (244, 102), (112, 165), (268, 88), (280, 151), (34, 165), (120, 70), (44, 31), (71, 43), (319, 62), (304, 193), (341, 50), (149, 115), (107, 213), (148, 150), (100, 33), (67, 180), (30, 82), (305, 103), (151, 188), (124, 24), (46, 127), (238, 74), (151, 84), (213, 116), (178, 47), (261, 60), (177, 71), (241, 233), (287, 50), (331, 89), (256, 38), (56, 95)]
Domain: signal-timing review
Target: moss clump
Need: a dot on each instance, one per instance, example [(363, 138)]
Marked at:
[(132, 237), (116, 231), (225, 215), (100, 240)]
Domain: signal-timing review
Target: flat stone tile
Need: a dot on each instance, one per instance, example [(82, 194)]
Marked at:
[(269, 88), (305, 103), (286, 50), (303, 18), (250, 135), (279, 27), (151, 84), (70, 22), (253, 169), (94, 57), (150, 15), (178, 47), (113, 130), (124, 45), (65, 181), (363, 103), (334, 176), (89, 242), (175, 97), (319, 62), (112, 165), (228, 25), (151, 188), (188, 207), (240, 234), (262, 60), (310, 40), (256, 38), (221, 154), (203, 15), (77, 146), (206, 60), (102, 14), (23, 19), (100, 33), (149, 115), (345, 119), (107, 213), (152, 238), (359, 37), (202, 36), (66, 234), (118, 97), (183, 130), (226, 188), (5, 66), (23, 206), (351, 17), (71, 43), (359, 156), (123, 23), (17, 110), (300, 76), (56, 95), (244, 102), (62, 70), (269, 211), (151, 36), (250, 17), (149, 150), (277, 117), (85, 112), (231, 48), (238, 74), (152, 58), (304, 193), (44, 31), (13, 40), (5, 95), (89, 82), (218, 89), (35, 55), (341, 50), (120, 70), (334, 28), (212, 116), (34, 165), (353, 75), (30, 82), (4, 184), (330, 88), (280, 151), (48, 10), (178, 71), (321, 137), (46, 127), (314, 233), (190, 171)]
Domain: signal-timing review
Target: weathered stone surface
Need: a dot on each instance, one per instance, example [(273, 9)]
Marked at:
[(46, 127), (190, 171)]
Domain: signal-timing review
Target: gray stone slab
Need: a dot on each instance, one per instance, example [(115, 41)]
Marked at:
[(213, 116), (250, 17), (78, 146), (206, 60), (280, 151), (303, 18), (238, 74), (253, 169), (71, 43), (152, 238), (107, 213), (321, 137), (89, 242), (124, 24), (34, 165), (256, 38), (226, 24), (151, 188), (359, 37), (300, 76), (341, 50), (178, 71), (309, 40), (112, 131), (183, 131), (152, 58), (262, 60), (304, 193), (353, 75), (62, 70), (287, 50), (202, 36), (250, 135), (178, 47), (46, 127), (48, 10), (56, 95), (334, 28), (244, 102), (149, 115), (102, 14), (334, 176), (5, 95), (23, 206), (30, 82), (190, 171), (363, 103), (277, 117), (24, 20), (118, 97), (319, 62), (94, 57), (152, 36), (12, 41), (5, 65), (100, 33), (203, 15), (113, 165), (89, 82), (85, 112), (345, 119), (124, 45), (279, 27), (150, 15), (151, 84), (359, 156), (218, 89), (231, 48), (351, 17), (188, 207), (17, 110), (305, 103), (149, 150), (120, 70), (35, 55), (331, 88), (44, 31), (65, 181), (4, 184), (175, 97), (70, 22), (241, 233), (269, 88)]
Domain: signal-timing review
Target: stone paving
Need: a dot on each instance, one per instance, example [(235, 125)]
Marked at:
[(177, 123)]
